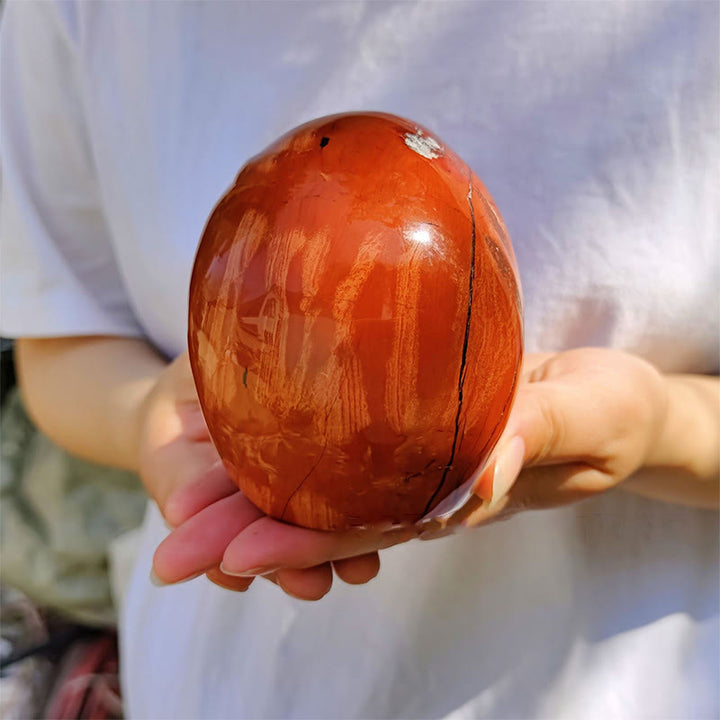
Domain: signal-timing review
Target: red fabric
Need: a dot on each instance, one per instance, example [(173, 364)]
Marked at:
[(88, 685)]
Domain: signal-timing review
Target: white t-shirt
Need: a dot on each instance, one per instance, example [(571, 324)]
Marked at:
[(595, 128)]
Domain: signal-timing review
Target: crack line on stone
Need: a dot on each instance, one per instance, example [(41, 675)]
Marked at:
[(466, 342), (317, 462), (310, 472)]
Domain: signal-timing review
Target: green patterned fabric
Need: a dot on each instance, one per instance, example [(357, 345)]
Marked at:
[(58, 516)]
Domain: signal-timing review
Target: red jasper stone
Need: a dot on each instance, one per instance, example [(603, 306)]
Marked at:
[(355, 326)]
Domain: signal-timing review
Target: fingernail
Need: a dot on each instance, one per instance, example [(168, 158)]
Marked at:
[(435, 534), (507, 468), (250, 572), (157, 582)]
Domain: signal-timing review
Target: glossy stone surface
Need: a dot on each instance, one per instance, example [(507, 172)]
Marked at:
[(355, 326)]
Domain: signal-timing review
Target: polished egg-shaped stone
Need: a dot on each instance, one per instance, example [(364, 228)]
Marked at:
[(355, 327)]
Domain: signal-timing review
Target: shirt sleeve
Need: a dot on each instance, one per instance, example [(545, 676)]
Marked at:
[(59, 273)]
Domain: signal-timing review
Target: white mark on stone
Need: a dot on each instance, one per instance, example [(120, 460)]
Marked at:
[(424, 145), (420, 236)]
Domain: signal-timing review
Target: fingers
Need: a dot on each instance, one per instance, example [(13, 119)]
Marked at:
[(314, 583), (297, 559), (592, 405), (268, 544), (540, 488), (586, 418), (308, 584), (192, 422), (532, 362), (212, 485), (559, 420), (175, 463), (228, 582), (501, 471), (358, 570), (198, 544)]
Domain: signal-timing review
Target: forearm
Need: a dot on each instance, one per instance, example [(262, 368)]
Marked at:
[(683, 466), (86, 393)]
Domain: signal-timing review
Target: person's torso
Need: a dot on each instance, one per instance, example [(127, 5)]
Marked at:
[(594, 128)]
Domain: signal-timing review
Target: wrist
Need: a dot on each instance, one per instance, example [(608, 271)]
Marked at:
[(683, 463), (688, 434), (139, 410), (86, 393), (659, 451)]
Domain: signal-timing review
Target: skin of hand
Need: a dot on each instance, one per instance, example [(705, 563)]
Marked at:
[(183, 472), (583, 422)]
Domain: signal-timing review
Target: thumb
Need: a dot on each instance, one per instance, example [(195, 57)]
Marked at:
[(547, 439), (555, 419)]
